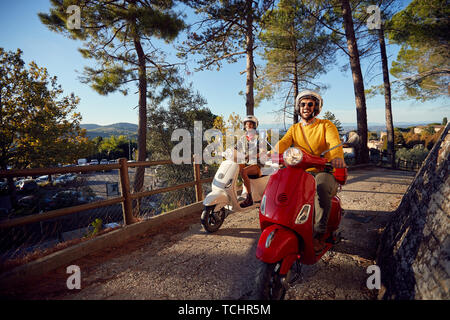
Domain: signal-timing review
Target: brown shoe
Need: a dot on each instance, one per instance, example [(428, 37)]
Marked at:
[(247, 202)]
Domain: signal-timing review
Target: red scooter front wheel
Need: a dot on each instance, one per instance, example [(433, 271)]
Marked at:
[(269, 282)]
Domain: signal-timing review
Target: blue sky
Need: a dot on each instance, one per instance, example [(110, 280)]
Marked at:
[(20, 28)]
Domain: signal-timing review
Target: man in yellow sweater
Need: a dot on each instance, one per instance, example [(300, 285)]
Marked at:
[(315, 136)]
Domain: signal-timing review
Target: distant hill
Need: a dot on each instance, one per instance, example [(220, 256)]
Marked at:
[(372, 126), (116, 129), (90, 126), (378, 127)]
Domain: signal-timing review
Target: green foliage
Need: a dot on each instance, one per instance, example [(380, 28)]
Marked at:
[(118, 36), (109, 29), (399, 139), (221, 30), (423, 62), (372, 135), (417, 154), (330, 116), (38, 125), (95, 227), (297, 49), (175, 107), (426, 138), (226, 31), (116, 147), (429, 130), (234, 124)]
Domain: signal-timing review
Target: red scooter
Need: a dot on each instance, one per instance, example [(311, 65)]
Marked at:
[(287, 216)]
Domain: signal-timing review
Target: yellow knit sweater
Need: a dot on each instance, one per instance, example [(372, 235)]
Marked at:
[(321, 135)]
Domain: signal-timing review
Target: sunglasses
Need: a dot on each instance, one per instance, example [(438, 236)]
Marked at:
[(309, 104)]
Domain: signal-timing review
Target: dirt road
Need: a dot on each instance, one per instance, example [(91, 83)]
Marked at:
[(191, 264)]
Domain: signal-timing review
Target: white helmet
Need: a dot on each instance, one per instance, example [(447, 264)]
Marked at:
[(309, 94), (251, 119)]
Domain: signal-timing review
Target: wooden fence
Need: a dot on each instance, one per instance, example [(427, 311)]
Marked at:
[(125, 199)]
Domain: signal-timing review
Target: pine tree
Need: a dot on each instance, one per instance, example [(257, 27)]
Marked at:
[(118, 35), (330, 116), (337, 16), (297, 49), (225, 32), (423, 62)]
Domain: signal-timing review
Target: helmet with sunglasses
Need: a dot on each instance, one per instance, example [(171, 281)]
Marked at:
[(312, 95), (251, 119)]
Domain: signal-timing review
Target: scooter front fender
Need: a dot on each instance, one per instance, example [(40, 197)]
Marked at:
[(276, 243), (216, 198)]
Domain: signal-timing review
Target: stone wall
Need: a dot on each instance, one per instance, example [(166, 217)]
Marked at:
[(414, 250)]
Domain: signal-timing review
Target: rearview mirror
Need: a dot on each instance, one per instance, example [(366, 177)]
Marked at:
[(344, 138)]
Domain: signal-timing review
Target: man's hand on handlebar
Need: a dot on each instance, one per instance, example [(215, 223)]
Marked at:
[(338, 163)]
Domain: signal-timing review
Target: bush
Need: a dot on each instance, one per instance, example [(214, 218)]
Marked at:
[(417, 154)]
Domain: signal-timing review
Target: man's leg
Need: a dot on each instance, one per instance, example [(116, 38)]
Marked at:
[(250, 170), (326, 187)]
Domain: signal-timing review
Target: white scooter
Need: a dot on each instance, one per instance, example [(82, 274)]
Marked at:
[(223, 198)]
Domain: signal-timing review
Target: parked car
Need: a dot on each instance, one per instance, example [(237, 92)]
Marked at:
[(27, 185), (42, 179), (29, 203), (105, 161), (82, 162), (3, 187), (93, 162), (67, 198), (65, 178)]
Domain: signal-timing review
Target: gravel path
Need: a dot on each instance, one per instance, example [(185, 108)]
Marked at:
[(183, 262)]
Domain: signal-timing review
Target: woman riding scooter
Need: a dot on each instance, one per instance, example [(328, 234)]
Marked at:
[(248, 145), (315, 136), (223, 197)]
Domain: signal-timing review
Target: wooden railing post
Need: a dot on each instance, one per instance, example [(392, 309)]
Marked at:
[(198, 184), (127, 207)]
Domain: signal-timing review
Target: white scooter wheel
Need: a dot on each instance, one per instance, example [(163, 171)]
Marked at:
[(211, 220)]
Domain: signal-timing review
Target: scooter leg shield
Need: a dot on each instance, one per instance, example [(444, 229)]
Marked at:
[(276, 243), (216, 197)]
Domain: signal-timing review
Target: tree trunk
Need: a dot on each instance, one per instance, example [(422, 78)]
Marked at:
[(250, 101), (142, 124), (295, 80), (387, 98), (295, 91), (362, 155)]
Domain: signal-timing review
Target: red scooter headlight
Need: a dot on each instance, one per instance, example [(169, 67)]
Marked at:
[(263, 205), (292, 156)]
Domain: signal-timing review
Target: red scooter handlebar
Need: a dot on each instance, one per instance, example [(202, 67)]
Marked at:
[(311, 161)]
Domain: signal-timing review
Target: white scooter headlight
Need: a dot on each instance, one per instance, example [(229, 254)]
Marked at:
[(292, 156)]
